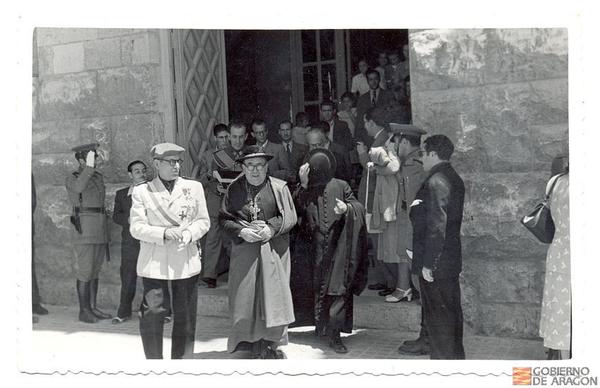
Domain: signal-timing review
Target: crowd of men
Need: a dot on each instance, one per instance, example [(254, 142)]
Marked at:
[(296, 216)]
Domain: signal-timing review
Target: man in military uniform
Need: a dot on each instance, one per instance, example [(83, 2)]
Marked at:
[(86, 191), (223, 169), (168, 216), (411, 176)]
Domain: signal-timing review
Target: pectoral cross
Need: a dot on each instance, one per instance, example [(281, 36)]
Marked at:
[(254, 209), (182, 215)]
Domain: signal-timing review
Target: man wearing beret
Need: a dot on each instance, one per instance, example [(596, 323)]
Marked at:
[(168, 216), (86, 191)]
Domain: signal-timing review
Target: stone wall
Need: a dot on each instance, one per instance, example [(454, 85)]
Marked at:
[(89, 85), (501, 95)]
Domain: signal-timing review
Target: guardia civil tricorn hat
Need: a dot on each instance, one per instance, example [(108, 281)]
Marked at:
[(406, 129), (86, 147)]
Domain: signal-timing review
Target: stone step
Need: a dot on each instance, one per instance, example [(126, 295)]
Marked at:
[(370, 310)]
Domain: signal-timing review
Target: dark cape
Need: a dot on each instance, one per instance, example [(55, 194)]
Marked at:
[(329, 259)]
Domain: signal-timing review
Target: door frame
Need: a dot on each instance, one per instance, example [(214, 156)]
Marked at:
[(342, 67), (177, 131)]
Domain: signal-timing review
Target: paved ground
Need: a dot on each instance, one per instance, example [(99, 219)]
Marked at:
[(60, 336)]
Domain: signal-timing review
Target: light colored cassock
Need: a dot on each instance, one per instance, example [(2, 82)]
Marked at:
[(153, 210)]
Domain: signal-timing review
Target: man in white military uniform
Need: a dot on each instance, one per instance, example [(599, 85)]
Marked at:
[(168, 215)]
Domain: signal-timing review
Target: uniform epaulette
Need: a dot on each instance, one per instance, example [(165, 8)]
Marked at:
[(418, 160)]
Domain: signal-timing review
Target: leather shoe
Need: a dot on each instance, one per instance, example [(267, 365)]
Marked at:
[(337, 345), (376, 286), (100, 314), (118, 320), (39, 309), (418, 347), (87, 316), (385, 292), (210, 283)]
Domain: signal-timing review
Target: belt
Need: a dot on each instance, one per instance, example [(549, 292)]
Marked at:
[(90, 209)]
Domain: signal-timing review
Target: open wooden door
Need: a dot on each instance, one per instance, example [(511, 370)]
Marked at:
[(200, 87)]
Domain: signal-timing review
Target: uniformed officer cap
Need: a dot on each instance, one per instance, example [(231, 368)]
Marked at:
[(163, 150), (406, 129), (86, 147)]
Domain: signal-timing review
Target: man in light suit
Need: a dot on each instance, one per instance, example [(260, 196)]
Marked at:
[(295, 152), (279, 166), (169, 216), (376, 121), (374, 98)]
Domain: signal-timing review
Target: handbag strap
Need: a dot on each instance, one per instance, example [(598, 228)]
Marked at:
[(554, 180), (367, 194)]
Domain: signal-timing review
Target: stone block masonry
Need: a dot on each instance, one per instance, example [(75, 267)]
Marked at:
[(501, 95), (99, 85)]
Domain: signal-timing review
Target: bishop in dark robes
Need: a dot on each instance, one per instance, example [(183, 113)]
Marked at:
[(330, 256), (257, 213)]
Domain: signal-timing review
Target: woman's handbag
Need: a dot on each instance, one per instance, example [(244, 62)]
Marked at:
[(539, 221)]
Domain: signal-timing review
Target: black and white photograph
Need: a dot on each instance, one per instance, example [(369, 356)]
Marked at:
[(324, 198)]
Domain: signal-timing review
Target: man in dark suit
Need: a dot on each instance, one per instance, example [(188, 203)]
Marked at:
[(338, 132), (130, 247), (436, 215), (295, 152), (374, 98), (279, 166)]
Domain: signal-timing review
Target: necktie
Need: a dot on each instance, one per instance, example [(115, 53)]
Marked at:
[(373, 99)]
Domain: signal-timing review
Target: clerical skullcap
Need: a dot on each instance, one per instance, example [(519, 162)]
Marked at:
[(406, 129), (163, 150)]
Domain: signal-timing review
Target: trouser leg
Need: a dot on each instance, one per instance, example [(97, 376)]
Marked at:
[(390, 274), (35, 291), (377, 271), (128, 274), (185, 301), (443, 317), (213, 244), (154, 311), (337, 314)]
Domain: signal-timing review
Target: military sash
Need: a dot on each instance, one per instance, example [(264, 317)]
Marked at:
[(165, 213), (223, 160)]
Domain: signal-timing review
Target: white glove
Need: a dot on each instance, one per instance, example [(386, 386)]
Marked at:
[(186, 237), (427, 274), (266, 233), (250, 235), (90, 159)]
